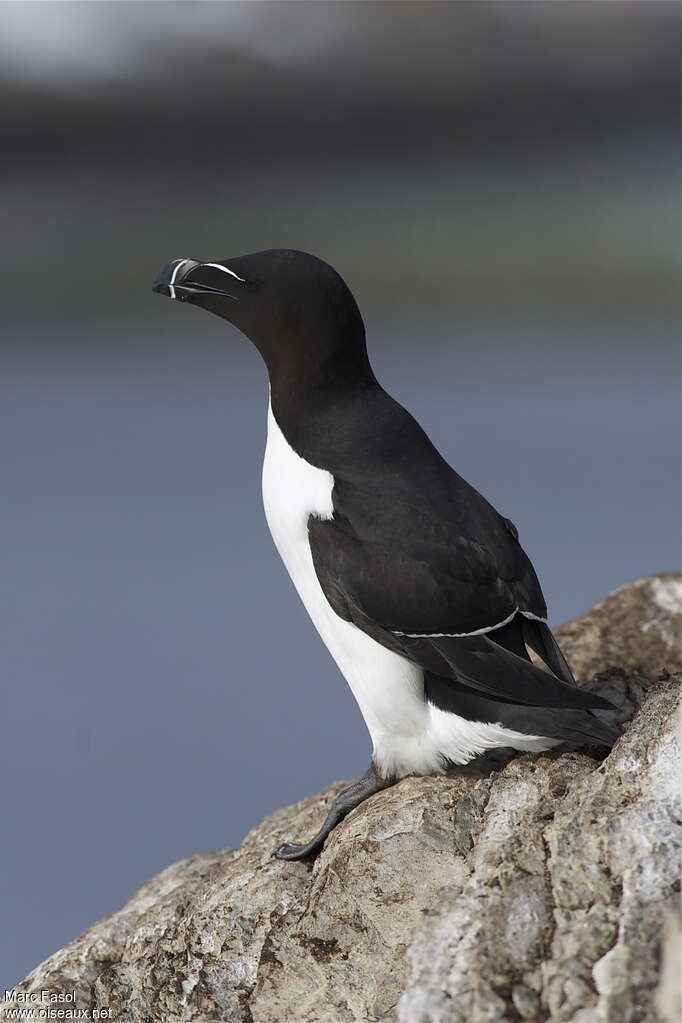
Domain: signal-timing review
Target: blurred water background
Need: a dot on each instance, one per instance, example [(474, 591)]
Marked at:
[(497, 182)]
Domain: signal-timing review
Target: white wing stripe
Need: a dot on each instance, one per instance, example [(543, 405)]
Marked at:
[(476, 632)]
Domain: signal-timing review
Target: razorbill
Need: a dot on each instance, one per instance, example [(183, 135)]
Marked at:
[(419, 588)]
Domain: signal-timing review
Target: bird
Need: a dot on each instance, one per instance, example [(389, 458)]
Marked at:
[(419, 588)]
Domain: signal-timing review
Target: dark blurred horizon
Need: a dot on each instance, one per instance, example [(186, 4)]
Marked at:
[(211, 79), (367, 133), (498, 182)]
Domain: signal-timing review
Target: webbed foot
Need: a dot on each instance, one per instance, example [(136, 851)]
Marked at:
[(340, 808)]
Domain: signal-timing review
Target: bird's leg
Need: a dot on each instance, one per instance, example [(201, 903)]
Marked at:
[(342, 805)]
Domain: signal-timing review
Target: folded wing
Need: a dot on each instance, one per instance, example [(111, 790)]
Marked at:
[(446, 607)]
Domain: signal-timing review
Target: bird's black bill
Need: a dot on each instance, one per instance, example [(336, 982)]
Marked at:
[(172, 281), (192, 288)]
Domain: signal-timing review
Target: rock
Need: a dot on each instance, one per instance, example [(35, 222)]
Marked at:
[(571, 871), (638, 627), (537, 891), (669, 993)]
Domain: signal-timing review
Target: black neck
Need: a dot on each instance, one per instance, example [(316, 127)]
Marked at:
[(307, 392)]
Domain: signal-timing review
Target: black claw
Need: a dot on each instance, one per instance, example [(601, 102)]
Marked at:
[(291, 851)]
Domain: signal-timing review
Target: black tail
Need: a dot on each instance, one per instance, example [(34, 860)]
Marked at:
[(490, 678), (598, 728), (539, 638)]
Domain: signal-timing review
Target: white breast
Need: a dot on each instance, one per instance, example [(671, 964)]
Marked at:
[(409, 735)]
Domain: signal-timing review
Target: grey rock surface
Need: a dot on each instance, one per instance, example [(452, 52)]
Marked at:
[(638, 627), (538, 891), (572, 867)]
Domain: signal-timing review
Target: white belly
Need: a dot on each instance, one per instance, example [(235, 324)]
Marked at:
[(409, 735)]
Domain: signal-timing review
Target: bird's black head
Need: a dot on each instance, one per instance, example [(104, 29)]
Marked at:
[(295, 308)]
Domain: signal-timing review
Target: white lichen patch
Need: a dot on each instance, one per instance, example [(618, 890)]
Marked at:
[(667, 594)]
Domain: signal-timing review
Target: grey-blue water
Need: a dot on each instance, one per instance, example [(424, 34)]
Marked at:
[(162, 687)]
